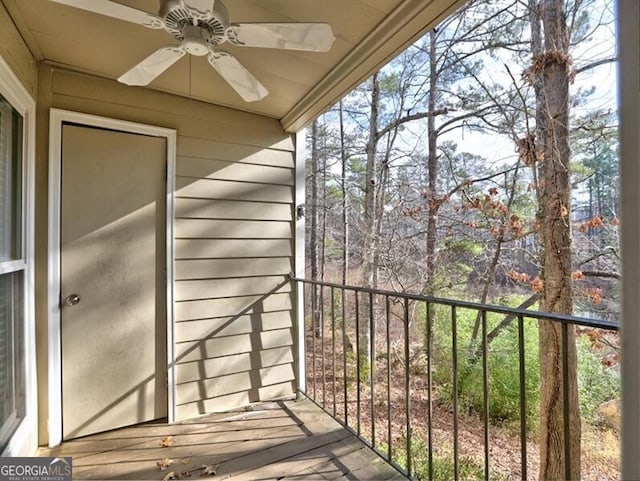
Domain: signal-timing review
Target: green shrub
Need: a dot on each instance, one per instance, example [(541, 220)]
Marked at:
[(597, 383), (502, 362)]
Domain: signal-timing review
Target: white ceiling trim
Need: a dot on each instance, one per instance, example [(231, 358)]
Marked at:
[(397, 31)]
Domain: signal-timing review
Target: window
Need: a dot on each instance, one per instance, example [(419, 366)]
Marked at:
[(12, 267)]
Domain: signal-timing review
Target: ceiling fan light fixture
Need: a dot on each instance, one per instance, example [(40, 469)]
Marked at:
[(202, 25)]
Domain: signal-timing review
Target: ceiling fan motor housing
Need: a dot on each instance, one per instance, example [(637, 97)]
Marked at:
[(194, 26)]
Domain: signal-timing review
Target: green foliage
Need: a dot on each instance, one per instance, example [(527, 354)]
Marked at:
[(597, 383), (502, 362)]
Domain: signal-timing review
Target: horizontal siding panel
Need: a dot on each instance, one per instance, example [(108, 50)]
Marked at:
[(216, 405), (86, 93), (222, 268), (233, 209), (229, 229), (232, 190), (276, 391), (218, 308), (244, 381), (216, 150), (231, 248), (210, 368), (232, 325), (216, 288), (231, 345), (222, 170)]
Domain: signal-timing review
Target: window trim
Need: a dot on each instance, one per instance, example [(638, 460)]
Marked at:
[(24, 439)]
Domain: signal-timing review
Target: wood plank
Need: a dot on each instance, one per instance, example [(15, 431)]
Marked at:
[(235, 306), (232, 248), (232, 209), (231, 345), (233, 287), (232, 325), (232, 190), (224, 170), (223, 268), (292, 440), (233, 229)]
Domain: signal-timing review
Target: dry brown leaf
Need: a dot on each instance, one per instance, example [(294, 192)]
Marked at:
[(170, 475), (185, 460), (167, 441), (209, 469), (184, 474), (163, 464)]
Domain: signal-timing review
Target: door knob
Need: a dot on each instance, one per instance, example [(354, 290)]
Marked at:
[(72, 300)]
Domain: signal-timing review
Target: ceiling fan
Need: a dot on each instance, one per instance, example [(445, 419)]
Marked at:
[(201, 26)]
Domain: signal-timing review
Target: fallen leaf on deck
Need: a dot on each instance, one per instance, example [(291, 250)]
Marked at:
[(167, 441), (209, 470), (185, 460), (184, 474), (170, 475), (163, 464)]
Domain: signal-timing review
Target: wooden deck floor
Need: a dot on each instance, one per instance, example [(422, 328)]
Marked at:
[(292, 440)]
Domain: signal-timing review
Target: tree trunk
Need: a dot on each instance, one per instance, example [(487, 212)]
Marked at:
[(345, 201), (370, 245), (370, 238), (555, 231), (313, 231), (432, 169)]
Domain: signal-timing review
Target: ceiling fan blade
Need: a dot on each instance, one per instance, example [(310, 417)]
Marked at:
[(314, 37), (202, 6), (116, 10), (238, 77), (146, 71)]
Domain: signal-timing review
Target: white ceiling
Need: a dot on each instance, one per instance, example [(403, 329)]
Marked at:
[(301, 84)]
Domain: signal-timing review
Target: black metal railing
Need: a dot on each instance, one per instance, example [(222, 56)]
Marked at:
[(414, 376)]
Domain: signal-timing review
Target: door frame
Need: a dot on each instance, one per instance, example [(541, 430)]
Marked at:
[(58, 117)]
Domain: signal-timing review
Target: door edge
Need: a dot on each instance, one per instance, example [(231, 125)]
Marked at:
[(57, 118)]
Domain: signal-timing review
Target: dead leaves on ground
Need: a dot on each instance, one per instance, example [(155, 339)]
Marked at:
[(163, 464)]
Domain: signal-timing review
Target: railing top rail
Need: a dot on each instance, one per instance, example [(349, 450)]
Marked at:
[(582, 321)]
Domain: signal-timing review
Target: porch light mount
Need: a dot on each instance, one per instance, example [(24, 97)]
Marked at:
[(300, 211)]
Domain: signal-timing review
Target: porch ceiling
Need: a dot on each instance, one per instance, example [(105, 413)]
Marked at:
[(301, 84)]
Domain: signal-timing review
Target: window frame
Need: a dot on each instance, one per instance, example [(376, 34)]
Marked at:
[(23, 440)]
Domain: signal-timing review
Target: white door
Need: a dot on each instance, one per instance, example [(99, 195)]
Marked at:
[(113, 295)]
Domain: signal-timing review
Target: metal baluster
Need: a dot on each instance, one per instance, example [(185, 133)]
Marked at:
[(344, 355), (407, 386), (485, 392), (388, 335), (314, 306), (523, 400), (357, 363), (372, 368), (454, 359), (565, 400), (333, 347), (322, 350), (430, 392)]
